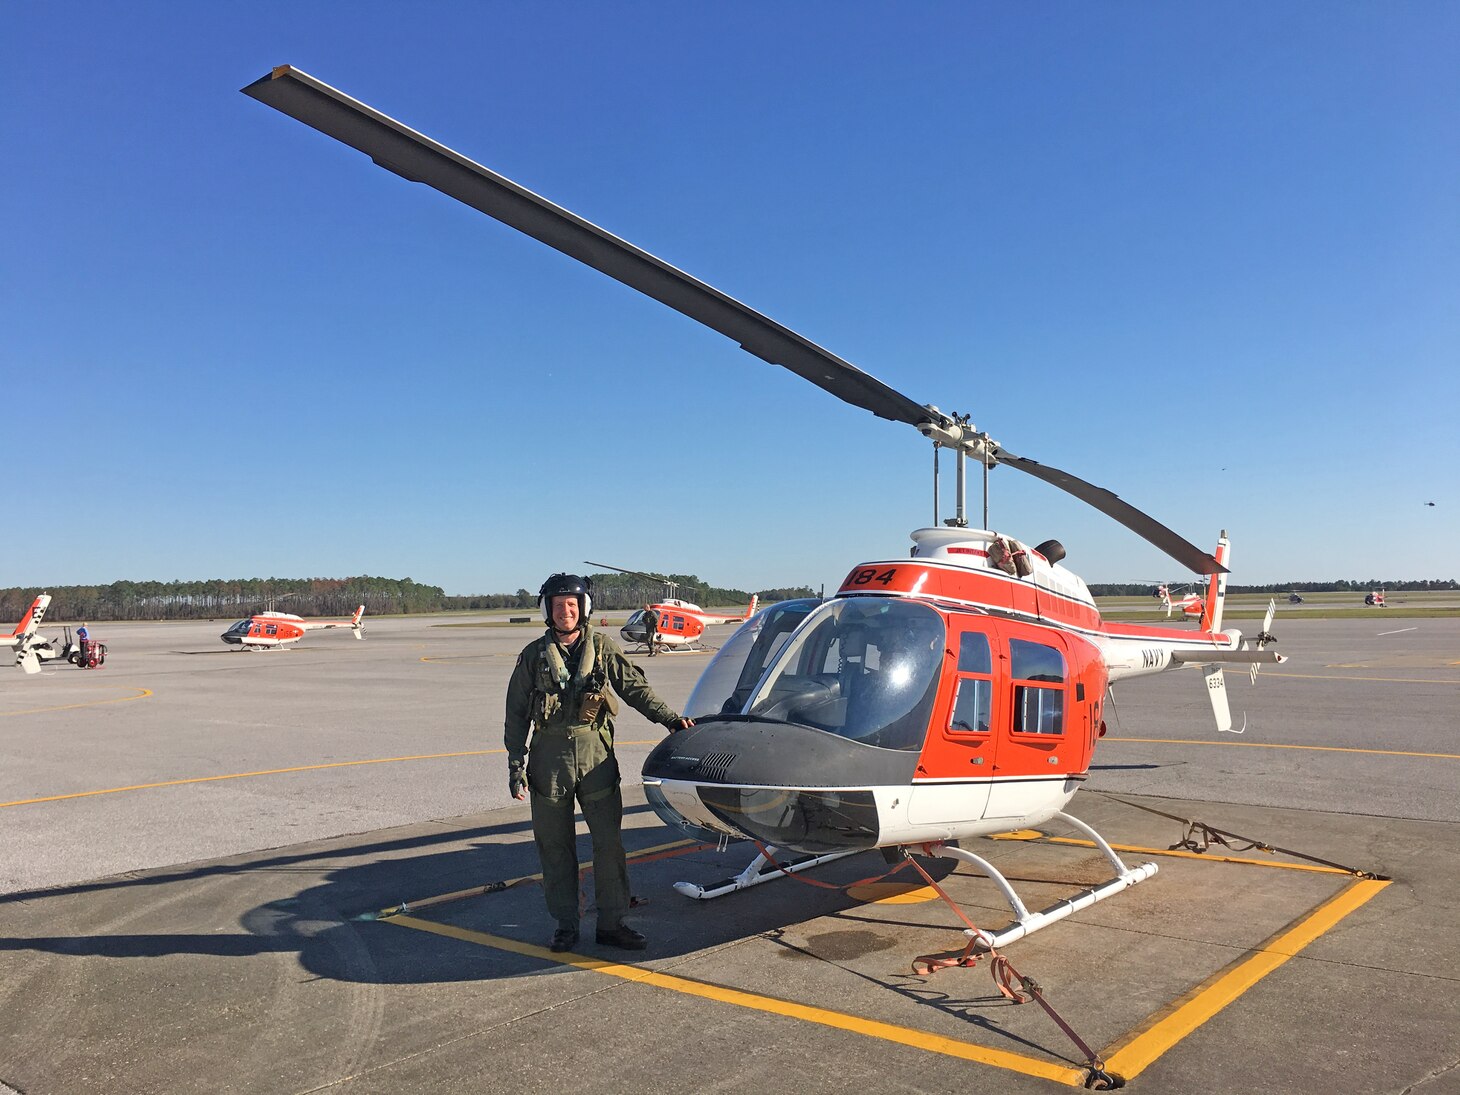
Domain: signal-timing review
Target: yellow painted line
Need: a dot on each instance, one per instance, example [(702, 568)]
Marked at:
[(889, 1032), (1343, 677), (892, 893), (1163, 1031), (1279, 745), (248, 775), (1182, 853), (142, 694)]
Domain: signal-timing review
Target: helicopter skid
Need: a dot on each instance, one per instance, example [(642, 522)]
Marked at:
[(1025, 921), (760, 870)]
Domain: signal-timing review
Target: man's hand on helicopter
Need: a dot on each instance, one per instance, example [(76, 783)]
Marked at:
[(517, 779), (680, 724)]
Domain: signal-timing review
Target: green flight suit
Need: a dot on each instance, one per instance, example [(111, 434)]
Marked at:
[(569, 757)]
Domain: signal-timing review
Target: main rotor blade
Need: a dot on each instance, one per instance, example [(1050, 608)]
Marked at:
[(635, 573), (1143, 525), (417, 158)]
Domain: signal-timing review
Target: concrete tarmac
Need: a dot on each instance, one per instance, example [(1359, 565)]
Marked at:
[(193, 833)]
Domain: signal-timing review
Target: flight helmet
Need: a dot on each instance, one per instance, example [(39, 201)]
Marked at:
[(565, 585)]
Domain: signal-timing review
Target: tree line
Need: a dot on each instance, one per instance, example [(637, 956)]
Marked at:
[(1341, 585), (215, 598)]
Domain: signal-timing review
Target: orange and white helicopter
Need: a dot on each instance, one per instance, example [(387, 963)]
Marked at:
[(267, 630), (954, 694), (681, 623), (30, 650), (1190, 603)]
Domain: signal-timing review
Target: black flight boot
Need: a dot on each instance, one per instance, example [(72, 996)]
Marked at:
[(623, 937)]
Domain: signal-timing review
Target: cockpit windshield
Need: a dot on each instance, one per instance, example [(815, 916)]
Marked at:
[(240, 628), (635, 618), (865, 669), (728, 680)]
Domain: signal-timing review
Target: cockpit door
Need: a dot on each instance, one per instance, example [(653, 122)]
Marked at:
[(951, 779), (1035, 750)]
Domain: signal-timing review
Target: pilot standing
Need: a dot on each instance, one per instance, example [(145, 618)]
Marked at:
[(651, 628), (562, 691)]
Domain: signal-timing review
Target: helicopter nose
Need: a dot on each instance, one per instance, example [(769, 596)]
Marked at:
[(789, 786)]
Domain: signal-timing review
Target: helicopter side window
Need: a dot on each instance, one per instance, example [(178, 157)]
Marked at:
[(271, 629), (679, 623), (1038, 709), (974, 698)]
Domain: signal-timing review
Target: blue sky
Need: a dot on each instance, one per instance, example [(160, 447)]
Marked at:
[(1205, 255)]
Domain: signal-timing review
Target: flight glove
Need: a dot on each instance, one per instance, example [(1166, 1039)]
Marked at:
[(517, 779)]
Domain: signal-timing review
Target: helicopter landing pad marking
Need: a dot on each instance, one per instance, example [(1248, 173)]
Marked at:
[(1127, 1057), (142, 694), (872, 1028), (1173, 853), (892, 893), (1401, 631), (1146, 1045)]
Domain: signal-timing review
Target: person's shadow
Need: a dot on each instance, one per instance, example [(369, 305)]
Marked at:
[(338, 931)]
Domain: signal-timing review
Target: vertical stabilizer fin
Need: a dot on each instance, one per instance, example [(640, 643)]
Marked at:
[(31, 621), (1211, 618)]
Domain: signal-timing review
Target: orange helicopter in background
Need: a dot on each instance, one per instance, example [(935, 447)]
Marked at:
[(30, 650), (681, 623)]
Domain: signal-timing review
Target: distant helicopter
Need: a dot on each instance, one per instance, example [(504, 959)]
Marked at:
[(956, 693), (681, 623), (266, 630), (1191, 604), (1294, 598), (30, 650)]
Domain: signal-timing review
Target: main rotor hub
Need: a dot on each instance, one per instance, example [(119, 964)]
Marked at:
[(958, 433)]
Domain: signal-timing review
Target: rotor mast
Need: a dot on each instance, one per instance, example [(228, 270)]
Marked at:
[(957, 432)]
